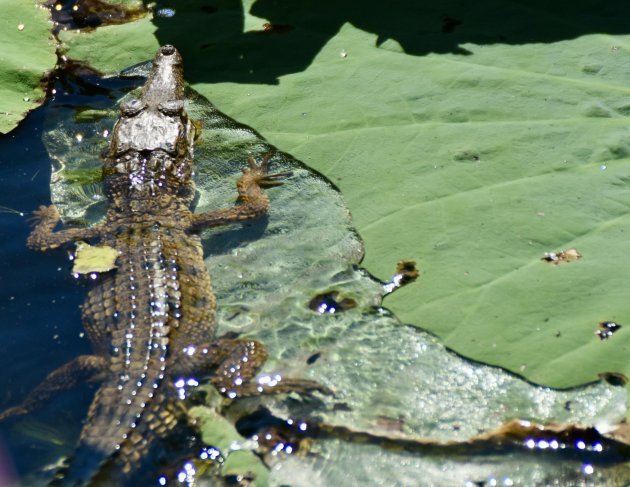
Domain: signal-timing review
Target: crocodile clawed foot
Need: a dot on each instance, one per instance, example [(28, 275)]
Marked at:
[(259, 172), (303, 386), (12, 412), (284, 386), (264, 164), (44, 214)]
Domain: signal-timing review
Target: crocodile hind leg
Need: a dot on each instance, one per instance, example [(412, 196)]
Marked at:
[(83, 369), (253, 200), (236, 362), (43, 238)]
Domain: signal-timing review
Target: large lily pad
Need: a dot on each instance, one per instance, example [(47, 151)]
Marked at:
[(28, 53), (509, 143), (271, 278), (136, 42), (475, 164)]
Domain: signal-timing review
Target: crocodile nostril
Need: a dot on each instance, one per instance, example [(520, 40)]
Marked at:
[(167, 50)]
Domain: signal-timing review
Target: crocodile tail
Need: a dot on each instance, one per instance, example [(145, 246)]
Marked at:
[(146, 306), (99, 444), (99, 461)]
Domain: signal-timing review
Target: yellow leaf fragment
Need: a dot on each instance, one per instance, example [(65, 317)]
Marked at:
[(88, 259)]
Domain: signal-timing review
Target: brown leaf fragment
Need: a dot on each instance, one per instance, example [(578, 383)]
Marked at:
[(269, 28), (621, 433), (406, 272), (557, 258)]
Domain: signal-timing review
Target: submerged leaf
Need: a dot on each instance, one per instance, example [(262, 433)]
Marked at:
[(237, 459)]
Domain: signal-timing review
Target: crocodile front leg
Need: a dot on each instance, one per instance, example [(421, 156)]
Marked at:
[(81, 370), (253, 200), (85, 368), (43, 238)]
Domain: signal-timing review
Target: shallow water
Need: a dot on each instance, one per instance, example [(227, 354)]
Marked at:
[(387, 377)]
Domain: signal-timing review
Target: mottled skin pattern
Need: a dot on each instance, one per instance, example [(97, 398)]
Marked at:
[(151, 320)]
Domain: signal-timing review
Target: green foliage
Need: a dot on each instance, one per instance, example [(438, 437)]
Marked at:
[(475, 166), (221, 434), (473, 151), (28, 53), (475, 161), (134, 43)]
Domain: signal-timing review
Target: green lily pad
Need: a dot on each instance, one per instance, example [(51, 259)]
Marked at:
[(28, 54), (273, 276), (475, 156), (474, 165), (191, 26), (135, 41), (238, 459)]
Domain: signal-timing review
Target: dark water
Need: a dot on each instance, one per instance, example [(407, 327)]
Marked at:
[(40, 328), (38, 300)]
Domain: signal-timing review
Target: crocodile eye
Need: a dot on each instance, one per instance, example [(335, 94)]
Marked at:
[(171, 107), (131, 107)]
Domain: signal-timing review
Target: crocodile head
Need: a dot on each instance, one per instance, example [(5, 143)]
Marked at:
[(152, 142)]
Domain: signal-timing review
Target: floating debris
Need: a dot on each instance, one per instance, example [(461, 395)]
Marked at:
[(406, 272), (606, 329), (91, 260), (269, 28), (313, 358), (330, 303), (557, 258), (613, 378)]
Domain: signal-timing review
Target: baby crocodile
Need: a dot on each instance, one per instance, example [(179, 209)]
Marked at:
[(151, 320)]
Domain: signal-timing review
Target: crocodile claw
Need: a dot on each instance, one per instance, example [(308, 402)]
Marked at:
[(43, 214), (14, 411), (259, 171), (286, 386)]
